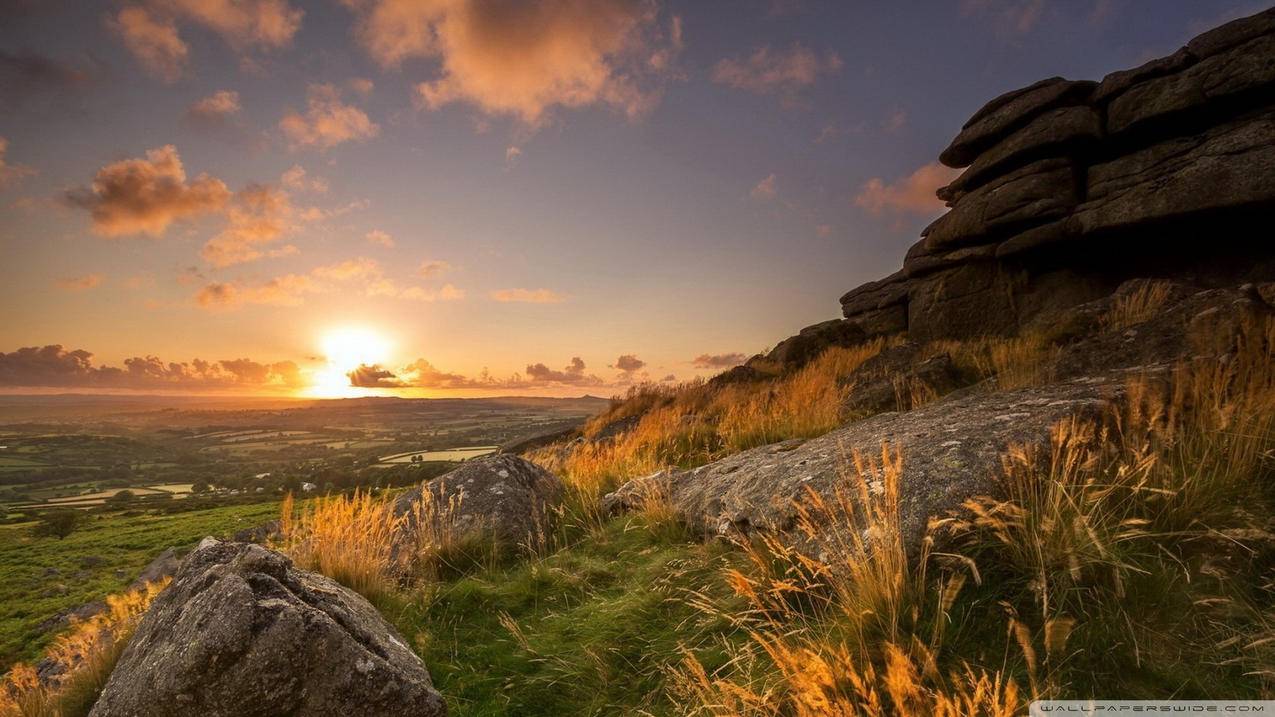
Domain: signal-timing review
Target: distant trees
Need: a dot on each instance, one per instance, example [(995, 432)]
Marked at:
[(199, 487), (57, 523), (123, 497)]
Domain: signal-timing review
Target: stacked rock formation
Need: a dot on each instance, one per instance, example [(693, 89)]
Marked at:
[(1071, 187)]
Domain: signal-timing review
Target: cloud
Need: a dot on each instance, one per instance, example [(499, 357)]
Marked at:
[(216, 107), (572, 373), (895, 121), (522, 59), (361, 274), (373, 376), (327, 122), (628, 363), (53, 366), (296, 179), (150, 29), (824, 230), (512, 154), (287, 290), (361, 86), (718, 360), (431, 269), (1014, 17), (80, 283), (528, 296), (764, 190), (153, 41), (145, 196), (11, 173), (259, 215), (782, 72), (380, 238), (913, 194), (24, 74), (241, 23)]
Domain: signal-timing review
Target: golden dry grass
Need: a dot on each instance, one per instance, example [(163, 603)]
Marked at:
[(348, 538), (838, 615), (1137, 306), (89, 649), (696, 423)]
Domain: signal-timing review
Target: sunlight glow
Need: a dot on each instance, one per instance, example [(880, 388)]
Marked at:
[(344, 350)]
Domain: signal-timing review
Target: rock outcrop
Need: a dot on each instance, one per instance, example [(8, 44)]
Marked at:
[(241, 632), (504, 495), (1072, 187), (951, 451)]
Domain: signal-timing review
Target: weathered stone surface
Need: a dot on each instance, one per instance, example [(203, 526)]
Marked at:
[(796, 351), (1008, 112), (951, 451), (504, 496), (1039, 237), (1117, 82), (1233, 33), (240, 632), (1241, 69), (164, 565), (974, 299), (1052, 133), (875, 295), (1026, 197), (882, 322), (895, 378), (1228, 167), (920, 261)]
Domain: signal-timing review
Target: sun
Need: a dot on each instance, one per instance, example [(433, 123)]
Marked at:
[(345, 349)]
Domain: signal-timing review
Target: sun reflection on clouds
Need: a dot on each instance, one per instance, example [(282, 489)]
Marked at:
[(345, 349)]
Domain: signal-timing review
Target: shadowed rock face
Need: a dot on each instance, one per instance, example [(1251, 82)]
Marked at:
[(1072, 188), (503, 494), (240, 632)]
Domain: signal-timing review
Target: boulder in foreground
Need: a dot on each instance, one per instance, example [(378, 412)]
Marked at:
[(240, 632)]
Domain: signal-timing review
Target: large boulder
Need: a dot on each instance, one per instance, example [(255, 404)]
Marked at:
[(241, 632), (1025, 197), (164, 565), (951, 450), (504, 496), (1012, 110), (1229, 167), (797, 351)]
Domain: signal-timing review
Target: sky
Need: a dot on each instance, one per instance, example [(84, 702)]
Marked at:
[(464, 197)]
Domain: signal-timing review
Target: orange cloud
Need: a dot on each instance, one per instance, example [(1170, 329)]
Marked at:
[(528, 296), (361, 274), (431, 269), (628, 363), (153, 42), (10, 173), (423, 374), (327, 122), (56, 367), (80, 283), (522, 59), (913, 194), (217, 106), (775, 72), (297, 180), (263, 23), (144, 196), (718, 360), (260, 215), (764, 190)]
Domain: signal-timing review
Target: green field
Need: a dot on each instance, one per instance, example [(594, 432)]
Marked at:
[(39, 577)]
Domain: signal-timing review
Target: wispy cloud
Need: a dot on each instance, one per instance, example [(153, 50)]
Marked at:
[(80, 283), (528, 296), (327, 122), (781, 72), (53, 366), (718, 360)]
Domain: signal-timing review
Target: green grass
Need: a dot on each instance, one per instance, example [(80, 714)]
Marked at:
[(599, 626), (28, 596)]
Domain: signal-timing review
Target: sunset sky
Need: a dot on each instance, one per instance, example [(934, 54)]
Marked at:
[(449, 197)]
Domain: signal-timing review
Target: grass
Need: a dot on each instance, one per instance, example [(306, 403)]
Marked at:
[(89, 651), (593, 629), (39, 577), (696, 423)]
